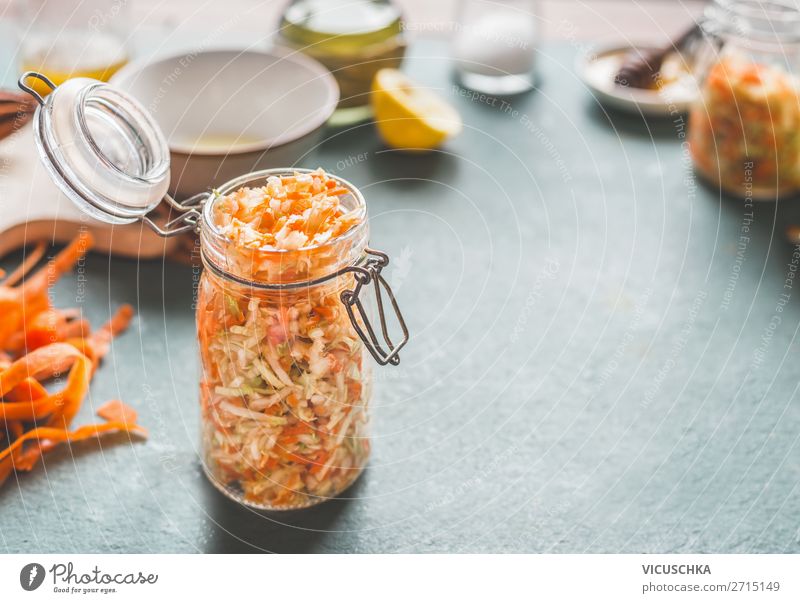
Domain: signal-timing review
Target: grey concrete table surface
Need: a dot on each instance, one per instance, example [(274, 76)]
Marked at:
[(602, 358)]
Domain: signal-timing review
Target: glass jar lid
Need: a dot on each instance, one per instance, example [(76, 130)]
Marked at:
[(101, 147)]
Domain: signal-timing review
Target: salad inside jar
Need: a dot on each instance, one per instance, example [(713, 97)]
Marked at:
[(745, 132), (284, 388)]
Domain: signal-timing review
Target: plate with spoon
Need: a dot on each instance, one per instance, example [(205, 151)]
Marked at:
[(654, 81)]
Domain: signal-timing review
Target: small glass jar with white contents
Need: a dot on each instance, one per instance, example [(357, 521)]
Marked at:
[(494, 46), (283, 309)]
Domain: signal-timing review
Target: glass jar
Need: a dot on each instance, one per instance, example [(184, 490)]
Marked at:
[(352, 38), (68, 39), (285, 383), (285, 386), (494, 47), (744, 129)]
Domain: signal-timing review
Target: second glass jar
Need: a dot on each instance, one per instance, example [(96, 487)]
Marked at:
[(744, 130)]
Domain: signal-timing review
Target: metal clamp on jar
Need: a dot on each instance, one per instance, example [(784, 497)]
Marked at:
[(284, 391)]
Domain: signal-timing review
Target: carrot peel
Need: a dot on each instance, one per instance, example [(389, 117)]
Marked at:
[(118, 412), (53, 434), (38, 342)]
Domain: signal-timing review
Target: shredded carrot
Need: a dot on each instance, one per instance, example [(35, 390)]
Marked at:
[(76, 329), (61, 406), (20, 304), (52, 434), (46, 327), (28, 389), (299, 429), (29, 262), (60, 264), (290, 212), (11, 310), (38, 342), (101, 339), (68, 401), (320, 462), (324, 311), (13, 429), (28, 411), (117, 411), (41, 363), (96, 345)]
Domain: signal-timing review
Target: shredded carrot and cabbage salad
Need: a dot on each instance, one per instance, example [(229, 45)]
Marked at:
[(746, 132), (284, 400)]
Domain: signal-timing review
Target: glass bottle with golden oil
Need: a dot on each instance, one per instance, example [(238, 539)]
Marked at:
[(352, 38), (73, 39)]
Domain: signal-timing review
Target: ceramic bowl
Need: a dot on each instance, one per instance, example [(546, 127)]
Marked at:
[(229, 112), (597, 70)]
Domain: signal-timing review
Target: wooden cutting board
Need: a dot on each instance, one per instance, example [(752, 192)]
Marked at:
[(32, 209)]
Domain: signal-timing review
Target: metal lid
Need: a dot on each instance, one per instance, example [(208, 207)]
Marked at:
[(101, 147)]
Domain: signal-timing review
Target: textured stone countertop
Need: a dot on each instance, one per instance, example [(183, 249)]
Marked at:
[(602, 359)]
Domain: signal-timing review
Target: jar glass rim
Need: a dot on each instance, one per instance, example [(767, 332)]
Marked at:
[(237, 183), (770, 21), (213, 240), (141, 124)]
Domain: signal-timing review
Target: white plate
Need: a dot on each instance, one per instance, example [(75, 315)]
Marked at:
[(598, 69)]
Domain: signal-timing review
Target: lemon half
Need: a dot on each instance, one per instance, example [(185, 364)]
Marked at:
[(409, 117)]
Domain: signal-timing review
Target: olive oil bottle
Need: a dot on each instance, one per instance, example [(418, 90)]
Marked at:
[(352, 38), (56, 58), (67, 39)]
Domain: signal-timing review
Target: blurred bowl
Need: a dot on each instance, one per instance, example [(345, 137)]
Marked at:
[(229, 112), (598, 69)]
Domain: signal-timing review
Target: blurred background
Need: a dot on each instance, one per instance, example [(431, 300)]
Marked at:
[(170, 25)]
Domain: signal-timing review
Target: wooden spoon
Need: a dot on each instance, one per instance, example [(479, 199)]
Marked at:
[(640, 66)]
